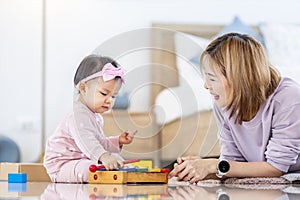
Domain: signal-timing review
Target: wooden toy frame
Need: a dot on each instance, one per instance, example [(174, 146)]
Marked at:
[(123, 177)]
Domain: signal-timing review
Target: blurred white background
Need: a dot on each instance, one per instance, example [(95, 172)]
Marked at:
[(74, 29)]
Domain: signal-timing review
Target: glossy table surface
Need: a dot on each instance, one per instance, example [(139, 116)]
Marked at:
[(54, 191)]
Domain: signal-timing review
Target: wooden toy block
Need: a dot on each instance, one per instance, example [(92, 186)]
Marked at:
[(123, 177), (147, 177), (17, 178), (142, 172), (108, 177), (34, 171)]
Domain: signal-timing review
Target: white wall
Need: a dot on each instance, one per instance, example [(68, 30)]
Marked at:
[(74, 29), (20, 74)]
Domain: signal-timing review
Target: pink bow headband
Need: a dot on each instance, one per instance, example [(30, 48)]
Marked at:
[(109, 72)]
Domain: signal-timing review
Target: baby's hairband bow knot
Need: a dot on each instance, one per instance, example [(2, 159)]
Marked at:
[(109, 72)]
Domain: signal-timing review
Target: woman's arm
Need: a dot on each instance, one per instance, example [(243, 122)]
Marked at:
[(199, 169), (229, 149), (252, 169)]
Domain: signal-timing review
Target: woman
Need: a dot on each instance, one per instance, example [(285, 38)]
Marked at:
[(257, 113)]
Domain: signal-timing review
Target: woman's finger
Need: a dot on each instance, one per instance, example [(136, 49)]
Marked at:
[(179, 160), (176, 170), (184, 172)]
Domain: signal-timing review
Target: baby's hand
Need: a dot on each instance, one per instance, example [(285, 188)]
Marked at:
[(126, 137), (111, 162)]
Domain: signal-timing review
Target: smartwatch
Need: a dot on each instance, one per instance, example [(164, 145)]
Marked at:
[(222, 195), (223, 167)]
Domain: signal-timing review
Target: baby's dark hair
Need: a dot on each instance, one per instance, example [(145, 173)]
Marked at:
[(90, 65)]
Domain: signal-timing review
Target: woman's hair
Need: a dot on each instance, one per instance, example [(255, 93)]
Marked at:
[(243, 62), (90, 65)]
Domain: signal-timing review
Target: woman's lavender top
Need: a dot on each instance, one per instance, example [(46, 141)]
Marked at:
[(273, 135)]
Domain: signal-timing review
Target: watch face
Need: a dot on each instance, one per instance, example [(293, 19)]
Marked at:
[(223, 197), (224, 166)]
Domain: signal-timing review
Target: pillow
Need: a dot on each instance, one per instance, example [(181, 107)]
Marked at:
[(122, 102), (189, 48), (282, 44), (186, 46), (179, 102), (190, 96), (238, 26), (190, 45)]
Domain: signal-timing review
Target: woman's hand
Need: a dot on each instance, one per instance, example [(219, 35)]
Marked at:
[(194, 170), (126, 137), (182, 159), (111, 162)]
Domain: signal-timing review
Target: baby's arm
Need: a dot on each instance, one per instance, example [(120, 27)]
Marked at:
[(126, 137)]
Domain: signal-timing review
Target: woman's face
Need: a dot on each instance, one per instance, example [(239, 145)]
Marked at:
[(217, 85)]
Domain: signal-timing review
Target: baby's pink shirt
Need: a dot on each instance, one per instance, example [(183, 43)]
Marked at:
[(79, 136)]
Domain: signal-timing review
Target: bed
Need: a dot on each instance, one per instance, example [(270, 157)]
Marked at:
[(183, 108), (187, 123)]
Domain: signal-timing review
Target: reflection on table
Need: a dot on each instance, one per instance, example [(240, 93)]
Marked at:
[(50, 191)]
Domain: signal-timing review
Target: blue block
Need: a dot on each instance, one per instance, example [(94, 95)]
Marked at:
[(142, 169), (127, 169), (17, 178), (17, 187), (101, 169)]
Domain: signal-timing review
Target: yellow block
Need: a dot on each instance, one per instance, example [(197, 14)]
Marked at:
[(154, 170), (143, 164)]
